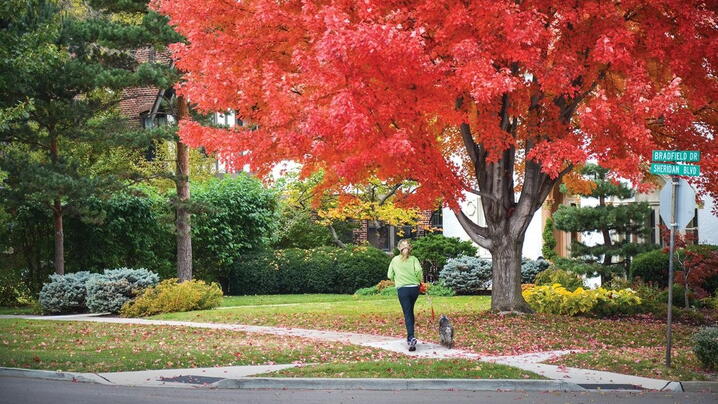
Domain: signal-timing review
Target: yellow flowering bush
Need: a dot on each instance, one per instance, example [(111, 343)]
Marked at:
[(555, 299), (171, 296)]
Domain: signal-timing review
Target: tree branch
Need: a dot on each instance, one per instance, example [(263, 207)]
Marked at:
[(477, 233)]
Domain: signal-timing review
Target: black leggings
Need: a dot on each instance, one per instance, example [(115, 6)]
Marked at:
[(407, 298)]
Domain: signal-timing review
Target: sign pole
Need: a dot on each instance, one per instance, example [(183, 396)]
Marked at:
[(674, 192)]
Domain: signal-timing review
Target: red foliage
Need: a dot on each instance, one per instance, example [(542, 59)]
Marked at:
[(700, 266), (362, 88)]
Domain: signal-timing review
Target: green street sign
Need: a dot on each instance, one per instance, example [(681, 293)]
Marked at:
[(675, 169), (676, 155)]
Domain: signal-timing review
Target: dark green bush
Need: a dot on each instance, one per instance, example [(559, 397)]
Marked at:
[(233, 216), (435, 249), (705, 345), (318, 270), (13, 291), (651, 267)]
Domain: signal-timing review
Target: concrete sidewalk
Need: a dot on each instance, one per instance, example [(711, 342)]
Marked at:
[(530, 362)]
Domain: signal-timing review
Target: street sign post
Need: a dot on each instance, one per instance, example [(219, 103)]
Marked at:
[(678, 205)]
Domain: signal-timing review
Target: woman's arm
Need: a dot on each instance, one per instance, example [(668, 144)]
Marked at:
[(418, 270), (390, 272)]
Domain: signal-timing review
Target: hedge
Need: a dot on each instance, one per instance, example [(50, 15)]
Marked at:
[(317, 270)]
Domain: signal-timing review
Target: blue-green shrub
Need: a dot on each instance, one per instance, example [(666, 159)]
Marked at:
[(65, 293), (531, 268), (109, 291), (466, 275)]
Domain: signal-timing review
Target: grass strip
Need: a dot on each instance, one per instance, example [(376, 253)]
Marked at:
[(407, 368), (645, 361)]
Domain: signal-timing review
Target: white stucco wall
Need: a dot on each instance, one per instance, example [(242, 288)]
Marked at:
[(707, 223), (472, 208)]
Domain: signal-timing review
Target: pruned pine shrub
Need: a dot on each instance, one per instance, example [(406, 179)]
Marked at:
[(107, 293), (65, 293), (172, 296)]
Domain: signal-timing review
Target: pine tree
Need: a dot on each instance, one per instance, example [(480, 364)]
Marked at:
[(617, 223), (63, 66)]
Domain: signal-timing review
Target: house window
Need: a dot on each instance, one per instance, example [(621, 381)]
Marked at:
[(380, 237), (437, 221)]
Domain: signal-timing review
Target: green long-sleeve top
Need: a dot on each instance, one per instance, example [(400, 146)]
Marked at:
[(405, 273)]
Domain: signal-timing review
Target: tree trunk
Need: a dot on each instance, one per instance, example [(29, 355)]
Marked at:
[(506, 277), (59, 238), (57, 216), (184, 236)]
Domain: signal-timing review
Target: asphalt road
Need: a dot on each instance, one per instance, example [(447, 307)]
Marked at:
[(26, 390)]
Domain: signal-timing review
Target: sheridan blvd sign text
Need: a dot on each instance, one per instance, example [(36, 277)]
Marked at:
[(676, 155), (675, 169)]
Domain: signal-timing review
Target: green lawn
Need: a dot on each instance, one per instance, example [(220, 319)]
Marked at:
[(477, 329), (18, 310), (407, 368), (257, 300), (102, 347)]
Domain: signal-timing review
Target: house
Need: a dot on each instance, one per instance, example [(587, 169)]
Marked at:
[(704, 225)]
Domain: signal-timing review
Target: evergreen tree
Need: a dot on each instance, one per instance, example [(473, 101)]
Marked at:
[(63, 66), (618, 224)]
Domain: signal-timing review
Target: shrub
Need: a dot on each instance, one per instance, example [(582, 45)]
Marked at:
[(651, 267), (387, 288), (556, 299), (531, 268), (549, 241), (319, 270), (616, 302), (233, 215), (126, 230), (109, 291), (568, 280), (65, 293), (705, 346), (171, 296), (440, 289), (13, 291), (466, 275), (700, 267), (434, 250)]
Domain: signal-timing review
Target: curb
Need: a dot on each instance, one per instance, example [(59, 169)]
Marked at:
[(52, 375), (699, 386), (397, 384)]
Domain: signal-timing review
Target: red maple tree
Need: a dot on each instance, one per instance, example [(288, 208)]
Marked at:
[(499, 98)]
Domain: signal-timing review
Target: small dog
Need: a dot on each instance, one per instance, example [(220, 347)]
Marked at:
[(446, 332)]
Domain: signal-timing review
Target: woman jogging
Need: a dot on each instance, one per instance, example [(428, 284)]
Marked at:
[(405, 271)]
